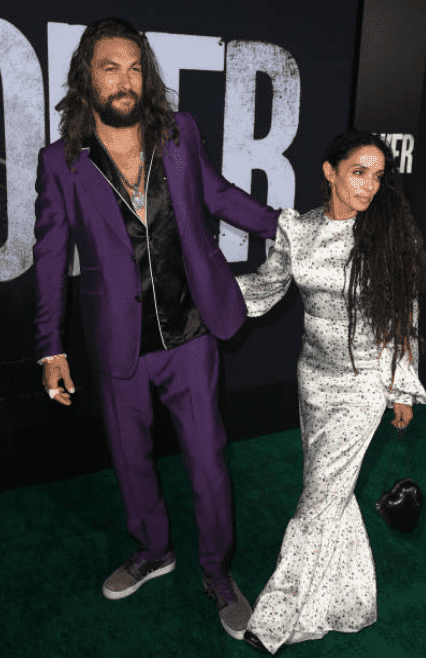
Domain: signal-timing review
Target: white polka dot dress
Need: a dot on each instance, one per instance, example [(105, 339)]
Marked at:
[(325, 575)]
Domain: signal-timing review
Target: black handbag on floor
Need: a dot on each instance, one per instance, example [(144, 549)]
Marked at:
[(400, 506)]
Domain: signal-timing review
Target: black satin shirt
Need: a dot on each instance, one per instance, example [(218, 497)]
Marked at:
[(170, 295)]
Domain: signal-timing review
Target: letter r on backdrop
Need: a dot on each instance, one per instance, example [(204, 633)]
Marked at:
[(241, 152)]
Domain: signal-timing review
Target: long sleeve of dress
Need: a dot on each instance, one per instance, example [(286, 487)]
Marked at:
[(265, 287), (406, 388)]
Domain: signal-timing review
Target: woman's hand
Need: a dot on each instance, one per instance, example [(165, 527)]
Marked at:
[(403, 415)]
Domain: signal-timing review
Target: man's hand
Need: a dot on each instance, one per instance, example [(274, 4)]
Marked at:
[(53, 372), (403, 415)]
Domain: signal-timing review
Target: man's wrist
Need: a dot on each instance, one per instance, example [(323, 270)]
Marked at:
[(50, 358)]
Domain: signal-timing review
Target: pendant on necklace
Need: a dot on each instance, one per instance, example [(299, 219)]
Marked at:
[(138, 200)]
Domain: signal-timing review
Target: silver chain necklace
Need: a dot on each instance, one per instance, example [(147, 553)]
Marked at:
[(137, 198)]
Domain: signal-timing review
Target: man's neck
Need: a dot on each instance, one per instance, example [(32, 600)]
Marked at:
[(119, 140)]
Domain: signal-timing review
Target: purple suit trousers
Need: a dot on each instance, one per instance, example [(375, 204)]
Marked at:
[(187, 379)]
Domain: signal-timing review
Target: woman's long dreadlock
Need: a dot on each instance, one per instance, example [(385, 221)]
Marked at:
[(388, 259)]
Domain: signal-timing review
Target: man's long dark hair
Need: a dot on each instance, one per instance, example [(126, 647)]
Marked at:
[(388, 259), (77, 121)]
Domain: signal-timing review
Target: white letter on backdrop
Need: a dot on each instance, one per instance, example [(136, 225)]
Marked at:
[(241, 152), (24, 135), (406, 160), (406, 163)]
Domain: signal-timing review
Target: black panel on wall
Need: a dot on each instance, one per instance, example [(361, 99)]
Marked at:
[(391, 66)]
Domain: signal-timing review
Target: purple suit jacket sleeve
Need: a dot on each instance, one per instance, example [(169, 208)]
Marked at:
[(51, 257), (226, 201)]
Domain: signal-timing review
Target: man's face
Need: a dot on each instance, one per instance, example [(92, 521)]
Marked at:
[(116, 82)]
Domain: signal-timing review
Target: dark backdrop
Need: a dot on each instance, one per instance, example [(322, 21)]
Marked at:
[(311, 80)]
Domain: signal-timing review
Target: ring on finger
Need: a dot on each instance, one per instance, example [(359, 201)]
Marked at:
[(52, 392)]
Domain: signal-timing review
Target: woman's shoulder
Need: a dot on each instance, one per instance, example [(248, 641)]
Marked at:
[(295, 229), (291, 219)]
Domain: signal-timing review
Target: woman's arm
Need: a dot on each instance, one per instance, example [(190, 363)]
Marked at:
[(406, 389), (265, 287)]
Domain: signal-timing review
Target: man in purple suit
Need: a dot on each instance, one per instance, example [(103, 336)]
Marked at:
[(127, 183)]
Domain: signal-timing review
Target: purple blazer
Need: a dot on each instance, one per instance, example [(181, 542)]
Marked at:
[(81, 208)]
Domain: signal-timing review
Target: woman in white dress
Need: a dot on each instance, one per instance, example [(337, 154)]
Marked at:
[(360, 265)]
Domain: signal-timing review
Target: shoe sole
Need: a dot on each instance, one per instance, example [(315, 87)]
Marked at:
[(113, 596), (237, 635)]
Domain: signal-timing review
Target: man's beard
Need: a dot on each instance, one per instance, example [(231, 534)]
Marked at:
[(115, 118)]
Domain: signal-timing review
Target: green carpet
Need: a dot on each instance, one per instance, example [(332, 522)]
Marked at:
[(60, 540)]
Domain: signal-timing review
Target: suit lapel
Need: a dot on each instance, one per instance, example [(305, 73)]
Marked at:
[(95, 185)]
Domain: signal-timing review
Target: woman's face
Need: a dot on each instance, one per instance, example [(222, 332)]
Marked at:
[(355, 181)]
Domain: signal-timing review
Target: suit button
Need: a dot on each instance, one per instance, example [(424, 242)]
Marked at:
[(138, 298)]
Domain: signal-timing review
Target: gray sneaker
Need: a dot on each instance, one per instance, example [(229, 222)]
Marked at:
[(234, 609), (134, 573)]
